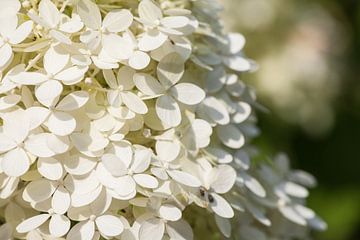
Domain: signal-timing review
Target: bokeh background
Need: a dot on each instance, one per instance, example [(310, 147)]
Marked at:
[(309, 79)]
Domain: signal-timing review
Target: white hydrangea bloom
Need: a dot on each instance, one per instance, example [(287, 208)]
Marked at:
[(119, 117)]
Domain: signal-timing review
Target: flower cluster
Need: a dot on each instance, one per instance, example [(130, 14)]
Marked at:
[(119, 116)]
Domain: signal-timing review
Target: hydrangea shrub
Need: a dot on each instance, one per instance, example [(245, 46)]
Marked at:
[(127, 119)]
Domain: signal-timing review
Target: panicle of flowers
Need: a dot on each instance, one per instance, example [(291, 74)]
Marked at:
[(128, 120)]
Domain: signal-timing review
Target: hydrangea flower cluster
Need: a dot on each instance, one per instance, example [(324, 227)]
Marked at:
[(128, 120)]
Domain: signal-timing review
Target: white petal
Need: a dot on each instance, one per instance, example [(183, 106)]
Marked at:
[(61, 123), (178, 44), (6, 231), (27, 97), (184, 178), (142, 158), (73, 101), (58, 144), (55, 59), (307, 213), (236, 42), (60, 201), (79, 200), (105, 177), (72, 75), (160, 173), (198, 135), (59, 225), (28, 78), (9, 7), (163, 150), (243, 111), (116, 47), (152, 120), (82, 231), (168, 111), (295, 190), (216, 110), (81, 214), (151, 40), (258, 213), (149, 11), (37, 116), (105, 123), (177, 12), (89, 14), (38, 145), (224, 225), (170, 31), (174, 21), (73, 25), (146, 181), (49, 92), (60, 37), (6, 54), (170, 212), (6, 85), (10, 187), (102, 203), (242, 159), (148, 85), (170, 69), (103, 63), (114, 165), (220, 155), (237, 63), (91, 38), (221, 207), (8, 24), (109, 225), (125, 186), (253, 185), (15, 163), (152, 229), (14, 130), (49, 12), (231, 136), (318, 224), (6, 144), (291, 214), (86, 144), (179, 230), (234, 86), (134, 103), (303, 178), (188, 93), (118, 20), (79, 164), (114, 98), (82, 184), (225, 179), (139, 60), (215, 79), (125, 77), (123, 150), (38, 191), (21, 33), (50, 168), (110, 78), (32, 223)]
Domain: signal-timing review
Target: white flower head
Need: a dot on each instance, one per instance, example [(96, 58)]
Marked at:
[(117, 116)]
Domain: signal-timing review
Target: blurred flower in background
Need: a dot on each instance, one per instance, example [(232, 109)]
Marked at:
[(299, 75), (309, 59)]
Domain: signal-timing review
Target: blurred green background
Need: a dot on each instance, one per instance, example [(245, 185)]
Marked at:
[(309, 79)]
